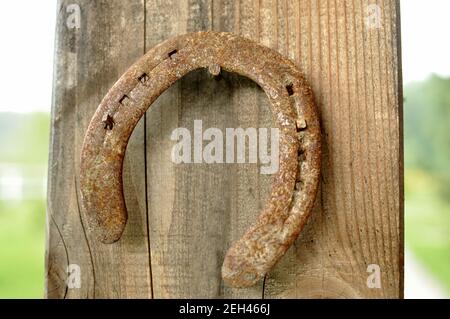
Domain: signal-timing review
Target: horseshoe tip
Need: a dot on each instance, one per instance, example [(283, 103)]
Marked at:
[(108, 228), (109, 240), (237, 273), (108, 236)]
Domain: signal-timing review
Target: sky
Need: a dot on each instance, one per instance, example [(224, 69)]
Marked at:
[(425, 44), (27, 29), (27, 32)]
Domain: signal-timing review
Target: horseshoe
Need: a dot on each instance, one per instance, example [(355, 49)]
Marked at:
[(294, 186)]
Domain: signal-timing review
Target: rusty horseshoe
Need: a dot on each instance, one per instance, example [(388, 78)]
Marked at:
[(294, 186)]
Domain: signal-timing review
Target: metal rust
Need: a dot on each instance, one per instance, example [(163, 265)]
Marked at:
[(294, 186)]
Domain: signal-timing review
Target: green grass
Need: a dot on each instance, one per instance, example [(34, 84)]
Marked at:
[(427, 224), (22, 249), (24, 145)]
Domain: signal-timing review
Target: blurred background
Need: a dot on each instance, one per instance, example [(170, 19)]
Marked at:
[(24, 137)]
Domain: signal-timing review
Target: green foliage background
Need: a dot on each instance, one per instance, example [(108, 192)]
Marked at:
[(24, 142), (427, 174)]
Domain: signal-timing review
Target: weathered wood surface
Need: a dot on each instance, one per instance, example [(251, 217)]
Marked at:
[(182, 218)]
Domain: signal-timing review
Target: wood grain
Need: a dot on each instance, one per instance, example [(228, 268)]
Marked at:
[(183, 218), (89, 60)]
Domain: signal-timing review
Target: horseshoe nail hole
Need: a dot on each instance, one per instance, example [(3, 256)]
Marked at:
[(143, 78), (290, 89), (172, 53), (299, 185), (301, 155), (123, 99), (108, 121), (298, 175)]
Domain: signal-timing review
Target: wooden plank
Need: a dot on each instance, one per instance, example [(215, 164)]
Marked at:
[(196, 210), (354, 71), (189, 214), (89, 59)]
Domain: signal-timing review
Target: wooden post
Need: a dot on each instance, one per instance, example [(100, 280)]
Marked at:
[(182, 218)]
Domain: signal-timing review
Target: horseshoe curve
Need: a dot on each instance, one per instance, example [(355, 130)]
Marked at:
[(294, 186)]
